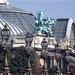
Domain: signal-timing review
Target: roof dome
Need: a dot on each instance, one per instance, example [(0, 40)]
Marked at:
[(18, 21)]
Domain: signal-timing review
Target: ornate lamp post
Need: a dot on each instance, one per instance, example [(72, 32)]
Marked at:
[(5, 33), (67, 52), (29, 49), (44, 55), (57, 57), (6, 47)]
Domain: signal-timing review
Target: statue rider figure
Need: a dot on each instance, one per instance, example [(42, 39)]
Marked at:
[(44, 27)]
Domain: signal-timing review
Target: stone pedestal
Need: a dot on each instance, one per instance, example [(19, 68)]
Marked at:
[(45, 73), (28, 72), (38, 39), (58, 73), (6, 71)]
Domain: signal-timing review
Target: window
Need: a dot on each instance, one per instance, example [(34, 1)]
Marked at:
[(50, 41)]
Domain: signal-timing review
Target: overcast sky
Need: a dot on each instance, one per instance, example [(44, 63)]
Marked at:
[(54, 8)]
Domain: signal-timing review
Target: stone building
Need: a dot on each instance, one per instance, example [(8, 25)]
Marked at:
[(21, 22)]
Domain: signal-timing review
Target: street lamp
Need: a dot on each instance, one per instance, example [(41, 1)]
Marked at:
[(44, 55), (57, 48), (67, 57), (57, 57), (6, 47), (5, 33), (29, 50)]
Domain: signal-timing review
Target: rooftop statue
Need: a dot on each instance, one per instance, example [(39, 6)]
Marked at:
[(4, 2), (44, 26)]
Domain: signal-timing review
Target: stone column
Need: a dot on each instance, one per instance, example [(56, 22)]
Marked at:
[(50, 62), (61, 62)]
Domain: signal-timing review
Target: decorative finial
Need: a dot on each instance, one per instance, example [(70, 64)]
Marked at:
[(5, 26), (44, 39), (57, 44), (28, 33)]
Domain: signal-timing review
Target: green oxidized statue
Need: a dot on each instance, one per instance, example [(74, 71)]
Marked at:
[(44, 26)]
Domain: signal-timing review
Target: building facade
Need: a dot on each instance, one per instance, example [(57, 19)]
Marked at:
[(21, 22)]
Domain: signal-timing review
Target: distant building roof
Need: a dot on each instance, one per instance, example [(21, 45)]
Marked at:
[(63, 28), (18, 21)]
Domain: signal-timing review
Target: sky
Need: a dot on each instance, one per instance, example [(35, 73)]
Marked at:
[(52, 8)]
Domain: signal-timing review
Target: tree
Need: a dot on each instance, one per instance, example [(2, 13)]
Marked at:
[(52, 70), (18, 63), (37, 70), (71, 67), (1, 60)]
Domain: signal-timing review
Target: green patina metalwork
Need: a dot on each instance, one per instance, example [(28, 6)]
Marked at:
[(43, 25)]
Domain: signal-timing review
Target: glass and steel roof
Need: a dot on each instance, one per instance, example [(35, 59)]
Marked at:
[(18, 21), (62, 28)]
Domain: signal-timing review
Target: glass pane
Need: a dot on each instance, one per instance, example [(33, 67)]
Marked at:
[(8, 33), (4, 33)]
